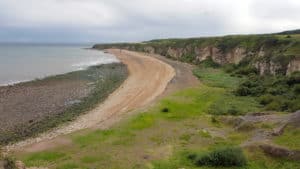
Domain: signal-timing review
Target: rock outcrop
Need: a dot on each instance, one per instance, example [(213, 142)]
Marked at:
[(293, 66), (267, 54)]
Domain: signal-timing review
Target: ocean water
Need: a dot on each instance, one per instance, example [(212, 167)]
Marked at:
[(19, 63)]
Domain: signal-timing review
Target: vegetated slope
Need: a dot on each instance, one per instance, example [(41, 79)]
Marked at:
[(269, 63), (200, 127), (296, 31), (268, 54), (208, 126)]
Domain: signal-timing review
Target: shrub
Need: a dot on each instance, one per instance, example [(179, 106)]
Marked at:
[(246, 70), (294, 105), (243, 91), (276, 105), (221, 157), (266, 99), (165, 110), (230, 68), (297, 89), (233, 111), (294, 78), (209, 63), (214, 119), (216, 110), (9, 163)]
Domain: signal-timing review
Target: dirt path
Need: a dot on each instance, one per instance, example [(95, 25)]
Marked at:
[(148, 78)]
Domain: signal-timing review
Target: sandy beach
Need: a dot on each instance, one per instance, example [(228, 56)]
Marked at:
[(148, 78)]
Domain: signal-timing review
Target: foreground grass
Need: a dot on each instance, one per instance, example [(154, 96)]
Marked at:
[(163, 136), (290, 138)]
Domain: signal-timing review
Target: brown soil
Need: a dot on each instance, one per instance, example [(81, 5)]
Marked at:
[(148, 78)]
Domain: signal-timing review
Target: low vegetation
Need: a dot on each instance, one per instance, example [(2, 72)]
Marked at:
[(279, 93), (187, 129), (224, 157), (178, 132)]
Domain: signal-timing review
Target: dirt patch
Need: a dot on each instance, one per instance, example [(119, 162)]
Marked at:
[(280, 152)]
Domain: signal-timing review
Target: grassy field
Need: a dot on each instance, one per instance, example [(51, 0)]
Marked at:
[(165, 136)]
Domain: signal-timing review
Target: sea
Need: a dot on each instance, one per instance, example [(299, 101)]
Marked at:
[(26, 62)]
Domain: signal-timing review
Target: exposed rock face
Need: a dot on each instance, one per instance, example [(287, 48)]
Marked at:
[(175, 52), (293, 66), (2, 164), (275, 68), (263, 67), (20, 165), (203, 53), (295, 119), (149, 49), (236, 55), (260, 58), (217, 56)]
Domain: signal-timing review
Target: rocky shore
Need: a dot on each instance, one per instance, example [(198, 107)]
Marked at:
[(32, 107)]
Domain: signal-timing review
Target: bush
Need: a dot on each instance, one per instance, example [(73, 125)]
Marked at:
[(243, 91), (247, 70), (214, 119), (222, 157), (216, 110), (230, 68), (165, 110), (209, 63), (9, 163), (294, 78), (297, 89), (233, 111), (266, 99), (294, 105), (276, 105)]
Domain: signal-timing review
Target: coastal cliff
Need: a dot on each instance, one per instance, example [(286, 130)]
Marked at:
[(268, 54)]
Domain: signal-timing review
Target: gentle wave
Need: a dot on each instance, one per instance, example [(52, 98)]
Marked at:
[(85, 65), (29, 62)]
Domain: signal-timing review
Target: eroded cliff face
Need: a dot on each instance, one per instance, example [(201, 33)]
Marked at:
[(203, 53), (260, 58), (293, 66), (235, 56)]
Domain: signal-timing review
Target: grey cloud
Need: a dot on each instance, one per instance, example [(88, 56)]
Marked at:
[(136, 20)]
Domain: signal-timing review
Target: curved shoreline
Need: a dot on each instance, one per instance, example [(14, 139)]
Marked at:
[(30, 108), (148, 78)]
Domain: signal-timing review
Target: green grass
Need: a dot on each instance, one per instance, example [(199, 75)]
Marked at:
[(290, 138), (43, 158), (216, 77), (162, 136)]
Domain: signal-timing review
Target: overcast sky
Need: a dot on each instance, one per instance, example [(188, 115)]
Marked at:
[(79, 21)]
